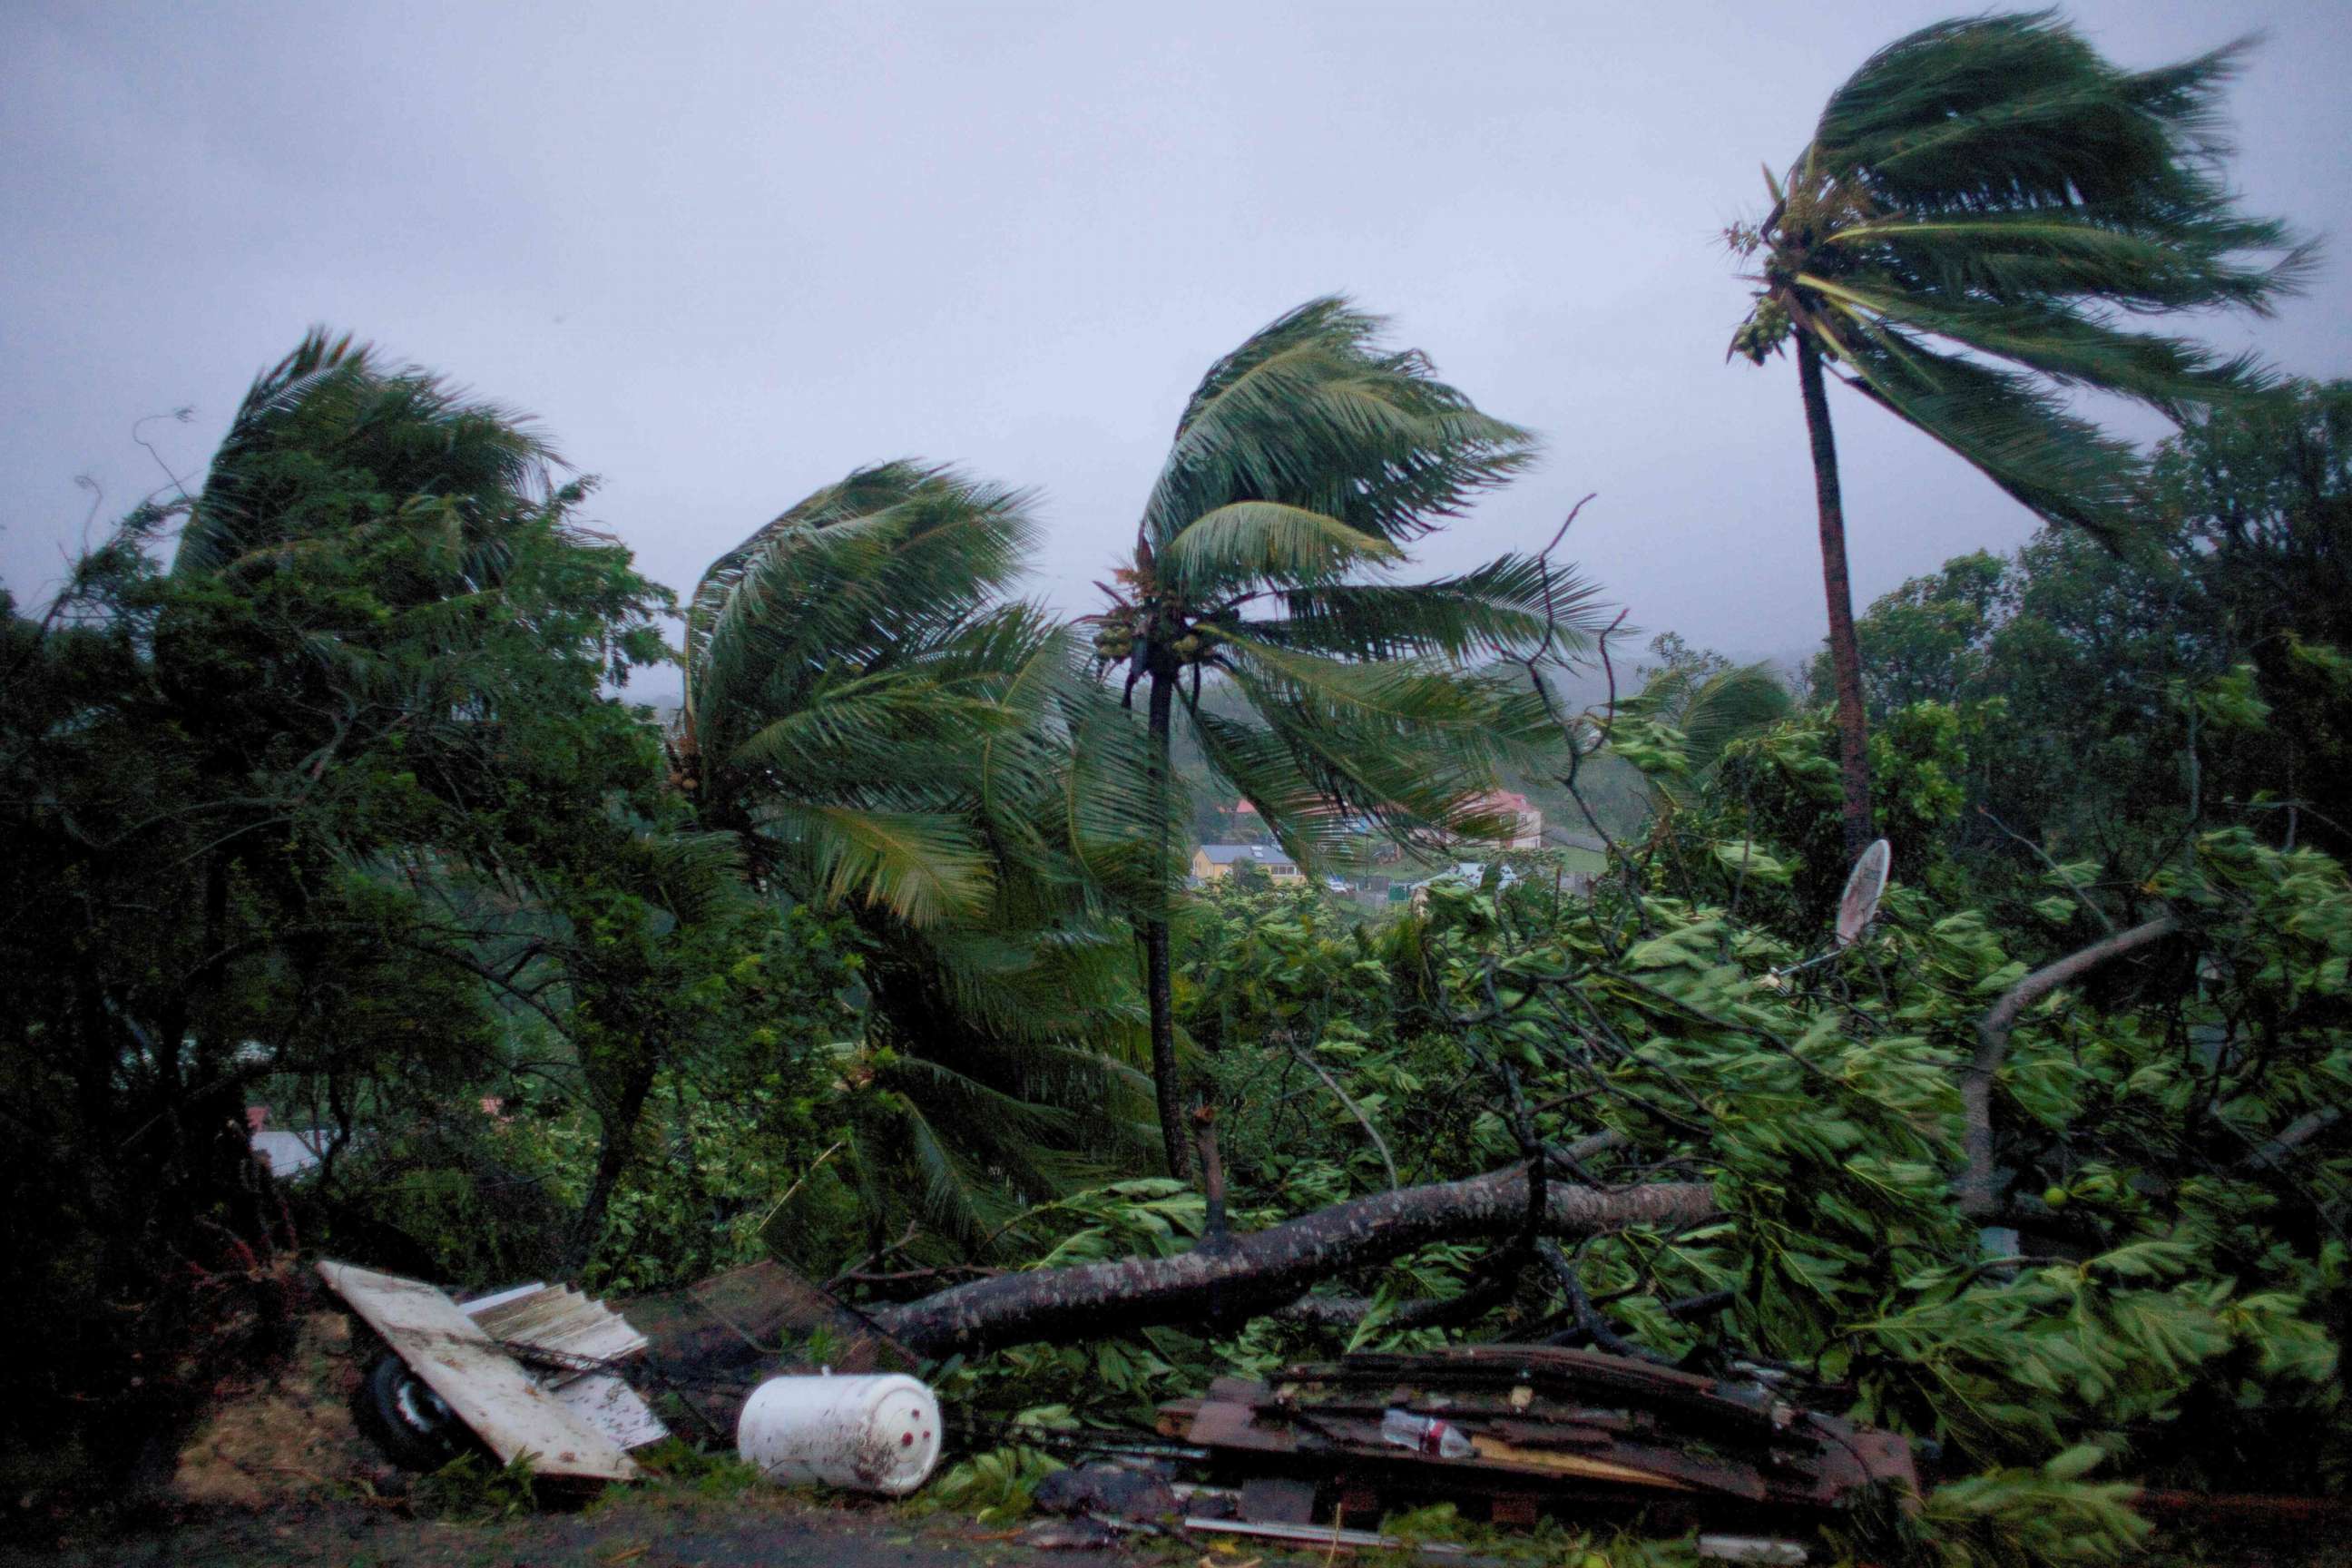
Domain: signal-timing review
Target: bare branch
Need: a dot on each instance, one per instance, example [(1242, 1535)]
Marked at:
[(1354, 1110), (1975, 1185)]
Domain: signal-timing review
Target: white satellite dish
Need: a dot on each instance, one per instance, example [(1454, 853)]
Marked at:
[(1858, 905)]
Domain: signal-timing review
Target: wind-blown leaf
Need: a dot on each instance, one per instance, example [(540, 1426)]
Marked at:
[(1252, 541), (921, 868)]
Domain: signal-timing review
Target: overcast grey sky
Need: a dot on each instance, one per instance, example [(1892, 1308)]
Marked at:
[(725, 253)]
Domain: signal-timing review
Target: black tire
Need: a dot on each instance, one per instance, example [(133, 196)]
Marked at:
[(406, 1419)]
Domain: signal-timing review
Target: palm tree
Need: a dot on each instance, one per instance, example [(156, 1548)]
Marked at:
[(844, 666), (1981, 206), (1706, 710), (889, 734), (1303, 463)]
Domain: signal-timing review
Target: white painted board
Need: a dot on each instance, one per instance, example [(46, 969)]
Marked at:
[(484, 1386)]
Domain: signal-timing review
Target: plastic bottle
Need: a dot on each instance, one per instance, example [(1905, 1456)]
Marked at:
[(1428, 1434)]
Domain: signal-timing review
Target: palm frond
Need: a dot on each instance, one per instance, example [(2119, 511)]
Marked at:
[(1501, 607), (2070, 347), (1416, 694), (1108, 805), (2194, 262), (1242, 542), (922, 867), (1311, 413), (872, 572), (2003, 111), (1306, 814), (2019, 436), (1417, 751)]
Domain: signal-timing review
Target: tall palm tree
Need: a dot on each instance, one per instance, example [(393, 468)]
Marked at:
[(889, 734), (1982, 206), (1304, 462)]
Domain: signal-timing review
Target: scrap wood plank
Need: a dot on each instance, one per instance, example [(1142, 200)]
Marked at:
[(1625, 1463), (482, 1384), (1735, 1408)]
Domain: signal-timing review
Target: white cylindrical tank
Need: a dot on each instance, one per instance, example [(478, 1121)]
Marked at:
[(868, 1434)]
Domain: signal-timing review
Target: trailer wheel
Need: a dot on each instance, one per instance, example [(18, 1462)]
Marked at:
[(402, 1416)]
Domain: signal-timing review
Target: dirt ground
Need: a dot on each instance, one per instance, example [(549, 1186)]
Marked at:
[(655, 1529), (278, 1476)]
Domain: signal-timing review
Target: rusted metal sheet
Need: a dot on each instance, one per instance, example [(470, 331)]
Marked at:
[(1547, 1423), (484, 1386), (713, 1341)]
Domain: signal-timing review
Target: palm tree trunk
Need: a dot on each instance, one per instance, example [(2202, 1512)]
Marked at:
[(1157, 984), (1264, 1269), (1846, 653)]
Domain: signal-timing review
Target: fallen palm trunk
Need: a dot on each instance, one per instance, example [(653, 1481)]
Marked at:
[(1266, 1269)]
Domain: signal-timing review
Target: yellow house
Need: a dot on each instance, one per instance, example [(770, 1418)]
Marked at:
[(1214, 862)]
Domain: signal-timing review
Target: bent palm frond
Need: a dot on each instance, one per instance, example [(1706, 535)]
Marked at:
[(1312, 413)]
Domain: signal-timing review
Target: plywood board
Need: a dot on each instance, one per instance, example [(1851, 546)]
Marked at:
[(485, 1387), (609, 1405)]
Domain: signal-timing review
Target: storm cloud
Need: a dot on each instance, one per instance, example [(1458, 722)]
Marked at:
[(725, 254)]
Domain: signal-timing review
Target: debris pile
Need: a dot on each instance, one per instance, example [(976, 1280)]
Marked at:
[(527, 1372), (1508, 1431), (1503, 1432)]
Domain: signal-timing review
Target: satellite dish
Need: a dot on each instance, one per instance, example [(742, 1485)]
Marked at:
[(1858, 905)]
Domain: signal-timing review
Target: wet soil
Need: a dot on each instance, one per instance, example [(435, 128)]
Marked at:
[(651, 1528)]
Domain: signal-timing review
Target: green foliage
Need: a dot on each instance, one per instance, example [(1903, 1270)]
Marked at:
[(2115, 704), (993, 1486), (471, 1490), (2028, 1515), (275, 818), (893, 739), (2175, 1317), (341, 813)]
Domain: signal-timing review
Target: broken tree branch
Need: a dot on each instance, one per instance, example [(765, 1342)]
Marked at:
[(1266, 1270), (2290, 1137), (1379, 1142), (1975, 1186), (1590, 1321)]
